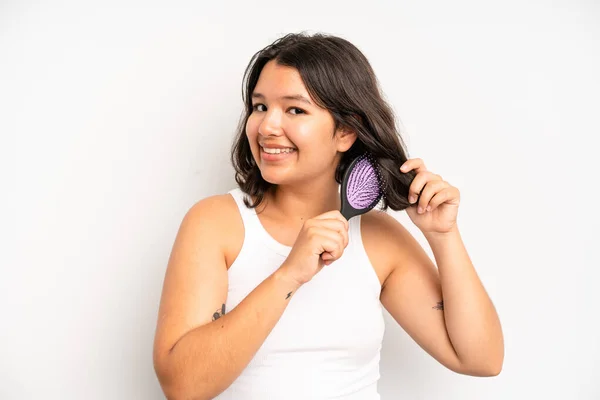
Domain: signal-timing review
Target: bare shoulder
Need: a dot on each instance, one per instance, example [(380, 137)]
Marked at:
[(196, 279), (386, 242), (213, 207), (219, 215)]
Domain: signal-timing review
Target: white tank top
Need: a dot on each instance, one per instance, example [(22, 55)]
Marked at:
[(327, 343)]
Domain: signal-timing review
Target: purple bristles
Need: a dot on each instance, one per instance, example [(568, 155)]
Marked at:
[(363, 185)]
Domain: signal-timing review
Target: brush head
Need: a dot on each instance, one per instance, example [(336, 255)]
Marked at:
[(362, 187)]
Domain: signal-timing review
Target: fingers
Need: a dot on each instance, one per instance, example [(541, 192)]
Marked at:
[(332, 224), (414, 163), (328, 258), (326, 240), (449, 195), (330, 229), (439, 198), (334, 214), (418, 184), (331, 248), (427, 188), (430, 192), (422, 177)]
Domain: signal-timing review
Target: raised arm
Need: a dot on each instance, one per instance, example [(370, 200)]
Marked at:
[(445, 310)]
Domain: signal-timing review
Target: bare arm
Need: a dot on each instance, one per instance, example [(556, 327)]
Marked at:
[(471, 319), (446, 310), (199, 351)]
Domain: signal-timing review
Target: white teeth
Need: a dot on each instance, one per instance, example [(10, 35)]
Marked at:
[(277, 151)]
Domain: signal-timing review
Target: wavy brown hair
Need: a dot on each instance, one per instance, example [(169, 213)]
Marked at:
[(340, 79)]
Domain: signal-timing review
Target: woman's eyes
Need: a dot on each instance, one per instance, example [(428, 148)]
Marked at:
[(301, 111)]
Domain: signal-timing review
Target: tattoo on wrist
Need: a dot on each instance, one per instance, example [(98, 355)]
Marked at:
[(439, 306), (219, 313), (288, 296)]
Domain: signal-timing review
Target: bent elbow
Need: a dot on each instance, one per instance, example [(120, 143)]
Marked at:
[(494, 366), (177, 392), (494, 370), (172, 389), (175, 387), (484, 371)]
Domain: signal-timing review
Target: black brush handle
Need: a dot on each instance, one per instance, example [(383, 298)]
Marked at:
[(347, 210)]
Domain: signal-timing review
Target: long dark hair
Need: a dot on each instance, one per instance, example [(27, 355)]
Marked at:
[(340, 79)]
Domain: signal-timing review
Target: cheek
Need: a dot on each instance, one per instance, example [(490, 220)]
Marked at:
[(251, 128), (251, 134), (314, 141), (309, 137)]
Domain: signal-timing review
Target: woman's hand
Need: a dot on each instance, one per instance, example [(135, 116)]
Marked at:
[(321, 241), (434, 201)]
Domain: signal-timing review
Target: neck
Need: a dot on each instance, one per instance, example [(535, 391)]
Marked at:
[(301, 202)]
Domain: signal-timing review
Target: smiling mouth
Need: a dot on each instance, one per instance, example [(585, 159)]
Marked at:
[(286, 150), (276, 154)]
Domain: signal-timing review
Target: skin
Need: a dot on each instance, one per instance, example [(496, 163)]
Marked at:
[(442, 306)]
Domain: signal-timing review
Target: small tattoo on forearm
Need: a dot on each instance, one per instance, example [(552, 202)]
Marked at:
[(288, 296), (439, 306), (219, 313)]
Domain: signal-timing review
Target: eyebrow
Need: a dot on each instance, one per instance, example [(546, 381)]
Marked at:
[(298, 97)]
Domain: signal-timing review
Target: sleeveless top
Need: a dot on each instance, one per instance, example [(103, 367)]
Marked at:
[(327, 342)]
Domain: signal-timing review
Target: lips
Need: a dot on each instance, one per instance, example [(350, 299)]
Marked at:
[(281, 153)]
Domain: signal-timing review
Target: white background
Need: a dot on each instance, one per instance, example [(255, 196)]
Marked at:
[(116, 118)]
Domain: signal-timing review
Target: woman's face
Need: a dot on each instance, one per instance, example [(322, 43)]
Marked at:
[(291, 138)]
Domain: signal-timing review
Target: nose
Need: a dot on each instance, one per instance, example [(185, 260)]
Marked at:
[(270, 124)]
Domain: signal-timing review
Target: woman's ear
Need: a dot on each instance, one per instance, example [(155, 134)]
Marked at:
[(345, 138)]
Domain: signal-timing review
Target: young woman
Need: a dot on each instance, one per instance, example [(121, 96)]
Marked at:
[(270, 293)]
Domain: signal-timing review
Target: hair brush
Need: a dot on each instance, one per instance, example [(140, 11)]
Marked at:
[(362, 187)]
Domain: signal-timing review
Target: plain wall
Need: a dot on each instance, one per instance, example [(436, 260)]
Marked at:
[(116, 118)]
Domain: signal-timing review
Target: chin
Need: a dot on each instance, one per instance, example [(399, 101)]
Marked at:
[(278, 175), (274, 174), (273, 178)]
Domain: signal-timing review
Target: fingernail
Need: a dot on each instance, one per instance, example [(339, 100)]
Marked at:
[(412, 199), (420, 210)]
